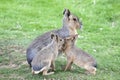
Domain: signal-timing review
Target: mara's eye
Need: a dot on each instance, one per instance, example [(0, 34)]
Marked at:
[(74, 19), (60, 39)]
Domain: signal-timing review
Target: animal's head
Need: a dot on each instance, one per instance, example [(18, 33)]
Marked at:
[(58, 39), (71, 20)]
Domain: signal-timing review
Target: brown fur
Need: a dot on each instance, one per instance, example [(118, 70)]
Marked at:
[(70, 25), (46, 56), (79, 57)]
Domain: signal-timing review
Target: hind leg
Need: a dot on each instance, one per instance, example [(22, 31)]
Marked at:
[(45, 72), (33, 72), (91, 69), (69, 63), (52, 66)]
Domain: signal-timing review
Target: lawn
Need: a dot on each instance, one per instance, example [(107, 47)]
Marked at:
[(21, 21)]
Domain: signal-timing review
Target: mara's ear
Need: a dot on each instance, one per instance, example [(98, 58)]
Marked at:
[(56, 38), (52, 35), (66, 12)]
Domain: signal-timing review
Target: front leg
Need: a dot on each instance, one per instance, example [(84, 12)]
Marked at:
[(52, 66), (69, 63), (69, 67)]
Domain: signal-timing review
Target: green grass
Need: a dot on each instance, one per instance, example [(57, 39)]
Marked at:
[(23, 20)]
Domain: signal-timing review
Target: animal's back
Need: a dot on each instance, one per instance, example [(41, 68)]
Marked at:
[(83, 57), (42, 40)]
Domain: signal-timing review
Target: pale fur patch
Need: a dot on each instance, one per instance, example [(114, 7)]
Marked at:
[(37, 72)]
